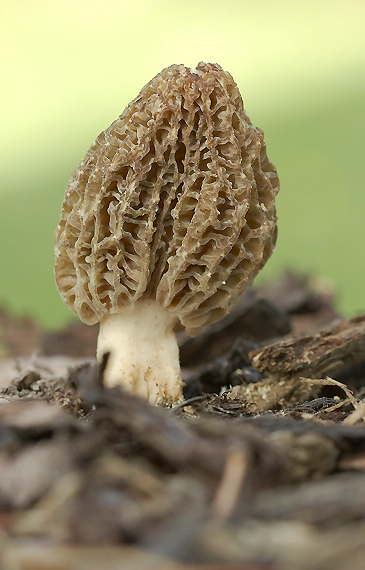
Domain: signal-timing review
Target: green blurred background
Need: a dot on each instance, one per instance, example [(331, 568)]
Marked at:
[(69, 67)]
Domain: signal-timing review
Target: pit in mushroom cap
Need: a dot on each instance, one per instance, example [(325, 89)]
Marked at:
[(167, 220)]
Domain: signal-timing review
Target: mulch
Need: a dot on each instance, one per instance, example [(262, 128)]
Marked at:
[(262, 467)]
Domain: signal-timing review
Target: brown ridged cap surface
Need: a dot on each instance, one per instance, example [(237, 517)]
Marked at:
[(174, 201)]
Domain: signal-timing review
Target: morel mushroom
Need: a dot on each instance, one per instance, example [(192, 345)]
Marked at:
[(165, 222)]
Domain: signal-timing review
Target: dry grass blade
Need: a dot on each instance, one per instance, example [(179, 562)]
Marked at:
[(357, 415), (332, 382), (188, 402), (231, 484), (339, 404)]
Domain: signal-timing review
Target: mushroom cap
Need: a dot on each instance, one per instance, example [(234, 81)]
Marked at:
[(173, 202)]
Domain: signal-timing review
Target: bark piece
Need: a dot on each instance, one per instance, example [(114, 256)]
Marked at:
[(330, 351)]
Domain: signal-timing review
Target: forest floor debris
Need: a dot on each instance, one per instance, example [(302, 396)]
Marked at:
[(262, 467)]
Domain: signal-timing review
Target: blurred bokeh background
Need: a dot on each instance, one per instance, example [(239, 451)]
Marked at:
[(69, 67)]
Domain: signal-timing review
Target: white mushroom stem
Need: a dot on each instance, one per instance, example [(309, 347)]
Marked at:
[(144, 355)]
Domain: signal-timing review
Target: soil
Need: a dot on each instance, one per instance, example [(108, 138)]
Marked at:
[(262, 467)]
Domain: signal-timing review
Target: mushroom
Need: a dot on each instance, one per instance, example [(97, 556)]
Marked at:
[(165, 222)]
